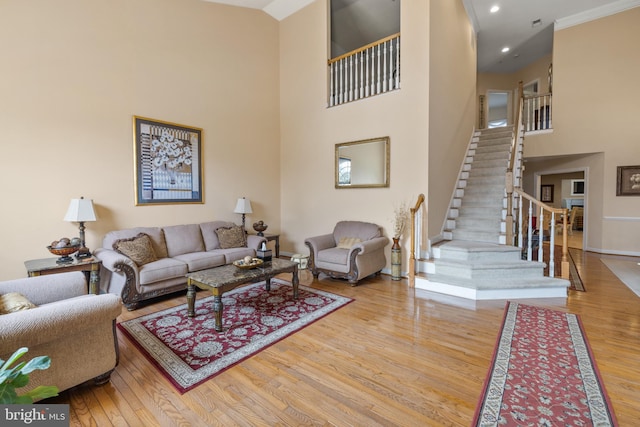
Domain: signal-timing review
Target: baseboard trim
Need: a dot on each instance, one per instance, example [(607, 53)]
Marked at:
[(612, 252)]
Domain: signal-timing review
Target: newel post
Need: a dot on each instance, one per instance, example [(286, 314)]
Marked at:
[(509, 219)]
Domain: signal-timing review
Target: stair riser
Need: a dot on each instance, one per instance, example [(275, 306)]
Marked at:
[(493, 274), (477, 256)]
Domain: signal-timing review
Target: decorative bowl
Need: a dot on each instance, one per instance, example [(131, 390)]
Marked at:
[(255, 262), (64, 253), (67, 250), (260, 226)]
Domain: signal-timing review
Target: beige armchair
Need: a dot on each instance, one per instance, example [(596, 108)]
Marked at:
[(75, 329), (353, 250)]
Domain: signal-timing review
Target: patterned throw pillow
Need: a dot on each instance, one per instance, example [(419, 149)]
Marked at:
[(13, 301), (138, 248), (231, 237), (347, 242)]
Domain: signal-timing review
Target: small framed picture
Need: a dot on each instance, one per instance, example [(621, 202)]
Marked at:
[(168, 162), (546, 193), (628, 182)]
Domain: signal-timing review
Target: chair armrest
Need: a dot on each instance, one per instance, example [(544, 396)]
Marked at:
[(50, 322), (254, 242), (48, 288), (319, 243), (112, 260), (371, 245)]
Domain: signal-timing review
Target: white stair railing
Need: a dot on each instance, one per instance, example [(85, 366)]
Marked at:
[(537, 112), (371, 70)]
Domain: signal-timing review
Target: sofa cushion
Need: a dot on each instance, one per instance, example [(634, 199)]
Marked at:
[(162, 269), (14, 301), (155, 233), (362, 230), (183, 239), (234, 254), (209, 235), (334, 256), (138, 248), (201, 260), (231, 237), (347, 242)]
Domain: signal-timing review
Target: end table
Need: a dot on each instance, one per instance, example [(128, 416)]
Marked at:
[(90, 266)]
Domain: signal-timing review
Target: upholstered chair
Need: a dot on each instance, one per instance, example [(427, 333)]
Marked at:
[(59, 319), (354, 250)]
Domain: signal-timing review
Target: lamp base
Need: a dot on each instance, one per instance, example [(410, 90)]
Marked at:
[(83, 253)]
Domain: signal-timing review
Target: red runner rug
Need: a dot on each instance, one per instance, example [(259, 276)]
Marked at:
[(188, 350), (543, 374)]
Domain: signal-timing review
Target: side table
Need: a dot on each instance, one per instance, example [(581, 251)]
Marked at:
[(90, 266), (276, 238)]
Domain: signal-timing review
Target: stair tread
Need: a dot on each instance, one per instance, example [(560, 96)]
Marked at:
[(542, 282)]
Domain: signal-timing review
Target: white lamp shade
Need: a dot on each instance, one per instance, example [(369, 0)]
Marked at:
[(80, 210), (243, 206)]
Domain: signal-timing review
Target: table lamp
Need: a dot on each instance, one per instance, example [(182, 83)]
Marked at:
[(243, 206), (81, 211)]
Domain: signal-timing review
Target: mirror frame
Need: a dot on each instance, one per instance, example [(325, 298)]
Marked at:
[(387, 154)]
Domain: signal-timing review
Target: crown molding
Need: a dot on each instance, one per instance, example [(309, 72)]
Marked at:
[(595, 13)]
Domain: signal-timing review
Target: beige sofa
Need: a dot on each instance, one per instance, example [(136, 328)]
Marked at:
[(75, 329), (176, 251), (352, 251)]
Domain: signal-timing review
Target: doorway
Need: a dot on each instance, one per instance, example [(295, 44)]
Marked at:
[(568, 189), (498, 105)]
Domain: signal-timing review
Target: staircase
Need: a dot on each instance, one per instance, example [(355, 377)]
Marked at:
[(473, 261)]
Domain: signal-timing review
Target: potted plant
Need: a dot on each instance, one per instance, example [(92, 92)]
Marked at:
[(12, 378)]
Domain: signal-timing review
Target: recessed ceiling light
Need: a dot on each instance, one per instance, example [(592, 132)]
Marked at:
[(505, 49), (494, 9)]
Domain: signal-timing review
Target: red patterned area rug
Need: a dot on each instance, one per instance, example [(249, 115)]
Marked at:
[(543, 374), (188, 351)]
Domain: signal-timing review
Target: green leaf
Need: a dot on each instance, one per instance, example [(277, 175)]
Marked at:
[(42, 392), (39, 362), (7, 394), (20, 380), (15, 356)]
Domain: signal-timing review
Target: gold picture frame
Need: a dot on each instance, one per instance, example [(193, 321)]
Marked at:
[(168, 162)]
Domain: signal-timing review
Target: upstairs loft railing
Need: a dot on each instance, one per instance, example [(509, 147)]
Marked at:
[(537, 112), (371, 70)]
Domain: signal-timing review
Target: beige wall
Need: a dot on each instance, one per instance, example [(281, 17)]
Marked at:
[(75, 72), (452, 97), (310, 203), (595, 101)]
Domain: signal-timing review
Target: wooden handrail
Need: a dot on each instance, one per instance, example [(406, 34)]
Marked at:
[(537, 95), (510, 168), (564, 268), (412, 257), (363, 48)]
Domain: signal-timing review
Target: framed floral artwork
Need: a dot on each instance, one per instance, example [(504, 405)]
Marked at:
[(168, 162), (546, 193), (628, 182)]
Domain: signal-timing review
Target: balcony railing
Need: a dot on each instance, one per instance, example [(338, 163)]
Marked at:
[(371, 70), (537, 113)]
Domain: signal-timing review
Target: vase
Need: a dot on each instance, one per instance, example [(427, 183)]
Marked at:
[(396, 259)]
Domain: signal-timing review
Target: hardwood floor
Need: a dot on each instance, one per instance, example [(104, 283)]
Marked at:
[(395, 356)]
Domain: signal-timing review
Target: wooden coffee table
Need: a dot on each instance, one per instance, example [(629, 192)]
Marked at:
[(225, 278)]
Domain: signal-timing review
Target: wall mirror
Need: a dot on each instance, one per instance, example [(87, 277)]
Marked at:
[(363, 164)]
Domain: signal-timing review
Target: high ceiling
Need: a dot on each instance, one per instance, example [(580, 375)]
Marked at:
[(512, 26)]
